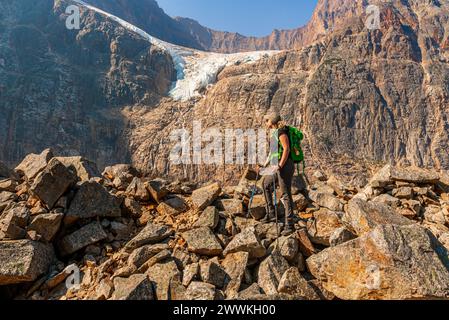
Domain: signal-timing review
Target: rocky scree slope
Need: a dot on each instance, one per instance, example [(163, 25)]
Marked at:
[(134, 238)]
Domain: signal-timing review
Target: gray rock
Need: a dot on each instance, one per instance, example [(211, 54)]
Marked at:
[(231, 207), (287, 246), (131, 208), (177, 292), (326, 200), (198, 291), (323, 225), (204, 197), (87, 235), (202, 241), (24, 261), (84, 169), (14, 221), (300, 202), (118, 169), (235, 266), (8, 185), (191, 273), (151, 234), (208, 218), (340, 236), (138, 191), (52, 182), (172, 207), (46, 225), (258, 207), (246, 241), (157, 189), (271, 271), (6, 198), (161, 275), (292, 283), (33, 164), (388, 200), (213, 273), (362, 217), (92, 200), (403, 193), (141, 255), (390, 262), (159, 257), (414, 175), (251, 291), (136, 287)]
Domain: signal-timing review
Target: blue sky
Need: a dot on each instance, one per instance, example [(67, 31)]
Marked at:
[(248, 17)]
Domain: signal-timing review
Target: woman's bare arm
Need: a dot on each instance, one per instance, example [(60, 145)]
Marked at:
[(286, 147)]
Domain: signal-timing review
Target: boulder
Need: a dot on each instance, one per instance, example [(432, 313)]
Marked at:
[(157, 258), (157, 189), (250, 292), (14, 222), (271, 271), (138, 191), (198, 291), (204, 197), (300, 202), (202, 241), (235, 266), (151, 234), (305, 245), (90, 201), (414, 175), (52, 182), (33, 164), (287, 246), (246, 241), (191, 273), (46, 225), (231, 207), (8, 185), (131, 208), (323, 225), (340, 236), (84, 169), (387, 199), (120, 169), (294, 284), (141, 255), (6, 198), (136, 287), (258, 207), (362, 216), (208, 218), (24, 261), (87, 235), (326, 200), (177, 292), (213, 273), (172, 207), (160, 275), (403, 193), (393, 262)]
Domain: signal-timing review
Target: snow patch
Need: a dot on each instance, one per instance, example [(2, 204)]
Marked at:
[(195, 69)]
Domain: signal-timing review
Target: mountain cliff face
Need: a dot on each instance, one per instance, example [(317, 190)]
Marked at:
[(63, 88), (364, 97)]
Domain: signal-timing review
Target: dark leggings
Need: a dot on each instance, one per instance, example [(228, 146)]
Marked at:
[(284, 179)]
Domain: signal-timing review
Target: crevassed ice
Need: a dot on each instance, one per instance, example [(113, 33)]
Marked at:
[(195, 69)]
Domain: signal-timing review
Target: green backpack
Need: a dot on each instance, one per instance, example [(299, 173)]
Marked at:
[(296, 153)]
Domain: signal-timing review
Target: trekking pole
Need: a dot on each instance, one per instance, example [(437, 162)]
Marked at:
[(253, 193), (276, 211)]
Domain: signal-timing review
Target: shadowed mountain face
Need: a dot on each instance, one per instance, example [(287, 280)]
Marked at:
[(64, 88), (364, 96)]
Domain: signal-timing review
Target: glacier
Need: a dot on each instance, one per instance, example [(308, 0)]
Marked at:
[(195, 69)]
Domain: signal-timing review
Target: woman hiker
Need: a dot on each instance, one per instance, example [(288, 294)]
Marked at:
[(283, 169)]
